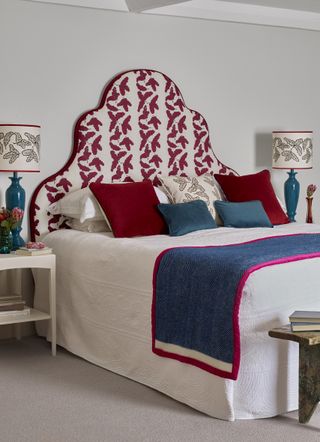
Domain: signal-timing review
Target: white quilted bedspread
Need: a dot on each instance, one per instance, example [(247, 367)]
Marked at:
[(104, 293)]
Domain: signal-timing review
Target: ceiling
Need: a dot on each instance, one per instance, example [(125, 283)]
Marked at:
[(301, 14)]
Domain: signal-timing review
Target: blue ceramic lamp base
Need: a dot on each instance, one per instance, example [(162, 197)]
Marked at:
[(15, 197), (291, 193)]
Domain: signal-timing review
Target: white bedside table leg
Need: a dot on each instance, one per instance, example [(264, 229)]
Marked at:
[(52, 298), (17, 327)]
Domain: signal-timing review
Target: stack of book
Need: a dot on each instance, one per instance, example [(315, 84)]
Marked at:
[(305, 321), (13, 305), (33, 252)]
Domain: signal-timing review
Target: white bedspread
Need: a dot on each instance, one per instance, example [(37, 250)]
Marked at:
[(104, 293)]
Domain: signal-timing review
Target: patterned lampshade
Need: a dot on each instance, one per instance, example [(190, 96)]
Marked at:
[(292, 150), (19, 148)]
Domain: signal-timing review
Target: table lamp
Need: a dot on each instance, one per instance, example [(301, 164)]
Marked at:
[(292, 150), (19, 152)]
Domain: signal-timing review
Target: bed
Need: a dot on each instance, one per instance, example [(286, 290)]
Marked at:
[(140, 130)]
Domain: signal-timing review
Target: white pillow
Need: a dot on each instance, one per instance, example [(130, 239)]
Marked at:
[(162, 197), (80, 204), (88, 226), (283, 207), (184, 189)]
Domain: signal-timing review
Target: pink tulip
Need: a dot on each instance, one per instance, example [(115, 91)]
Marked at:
[(310, 190), (17, 214)]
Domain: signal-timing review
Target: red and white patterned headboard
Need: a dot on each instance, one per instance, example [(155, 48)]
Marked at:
[(142, 128)]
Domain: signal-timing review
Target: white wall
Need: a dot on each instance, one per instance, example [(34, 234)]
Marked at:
[(246, 80)]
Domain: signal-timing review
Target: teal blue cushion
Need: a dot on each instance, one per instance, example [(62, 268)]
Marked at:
[(247, 214), (184, 218)]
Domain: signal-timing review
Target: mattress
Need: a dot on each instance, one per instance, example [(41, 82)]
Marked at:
[(104, 294)]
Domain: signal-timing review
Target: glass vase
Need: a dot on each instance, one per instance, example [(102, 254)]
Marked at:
[(5, 240), (309, 218)]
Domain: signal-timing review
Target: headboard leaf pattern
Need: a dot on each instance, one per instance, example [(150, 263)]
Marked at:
[(141, 129)]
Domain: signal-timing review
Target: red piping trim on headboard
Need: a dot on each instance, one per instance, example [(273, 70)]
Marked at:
[(71, 158)]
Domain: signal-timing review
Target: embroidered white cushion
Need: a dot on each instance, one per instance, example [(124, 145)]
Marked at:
[(80, 204), (183, 189)]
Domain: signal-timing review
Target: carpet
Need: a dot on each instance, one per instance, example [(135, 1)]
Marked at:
[(66, 399)]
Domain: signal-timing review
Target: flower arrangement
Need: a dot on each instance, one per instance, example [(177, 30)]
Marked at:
[(10, 219), (310, 190)]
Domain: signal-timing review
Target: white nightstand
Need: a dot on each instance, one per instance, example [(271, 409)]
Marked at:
[(12, 261)]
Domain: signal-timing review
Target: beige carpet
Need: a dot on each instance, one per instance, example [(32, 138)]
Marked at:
[(66, 399)]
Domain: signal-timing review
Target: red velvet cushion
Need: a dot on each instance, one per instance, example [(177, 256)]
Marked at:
[(131, 208), (253, 187)]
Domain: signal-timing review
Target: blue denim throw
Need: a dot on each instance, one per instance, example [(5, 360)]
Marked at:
[(197, 293)]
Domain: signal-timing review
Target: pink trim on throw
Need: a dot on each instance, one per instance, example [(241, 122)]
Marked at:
[(236, 329), (167, 354)]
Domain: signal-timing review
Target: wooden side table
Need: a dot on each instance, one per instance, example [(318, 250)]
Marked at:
[(12, 261), (309, 368)]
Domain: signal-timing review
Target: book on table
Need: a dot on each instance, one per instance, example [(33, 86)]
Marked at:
[(303, 320), (12, 305), (24, 312), (305, 316), (24, 251), (11, 298), (305, 326)]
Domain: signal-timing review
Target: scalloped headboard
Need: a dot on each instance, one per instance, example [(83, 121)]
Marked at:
[(141, 128)]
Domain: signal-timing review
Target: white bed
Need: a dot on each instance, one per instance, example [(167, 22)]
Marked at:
[(104, 293), (140, 130)]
